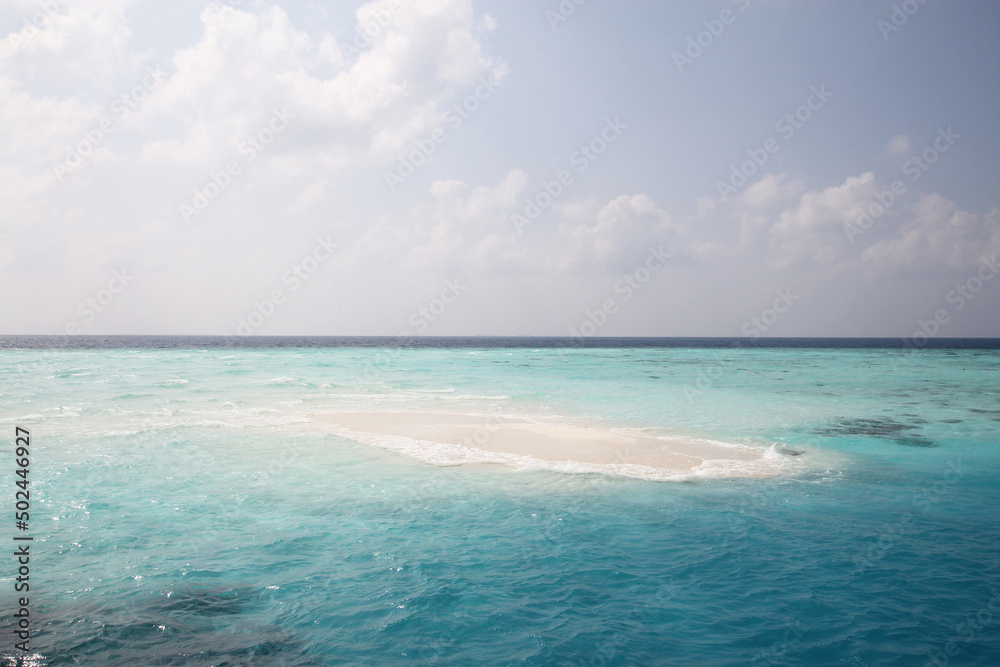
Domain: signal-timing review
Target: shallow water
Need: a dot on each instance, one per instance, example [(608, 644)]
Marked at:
[(185, 510)]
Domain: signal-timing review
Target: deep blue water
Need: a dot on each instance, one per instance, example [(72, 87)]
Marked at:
[(156, 342), (187, 512)]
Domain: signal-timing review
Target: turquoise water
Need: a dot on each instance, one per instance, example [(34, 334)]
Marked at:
[(186, 510)]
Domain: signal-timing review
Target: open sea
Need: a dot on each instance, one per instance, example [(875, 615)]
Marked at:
[(185, 509)]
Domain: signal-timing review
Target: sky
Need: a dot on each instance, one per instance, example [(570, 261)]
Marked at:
[(500, 167)]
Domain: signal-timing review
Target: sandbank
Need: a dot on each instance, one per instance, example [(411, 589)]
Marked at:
[(514, 440)]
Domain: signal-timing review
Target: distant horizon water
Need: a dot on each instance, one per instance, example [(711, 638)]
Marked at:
[(30, 341)]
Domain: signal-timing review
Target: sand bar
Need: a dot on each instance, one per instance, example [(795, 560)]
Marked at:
[(546, 442)]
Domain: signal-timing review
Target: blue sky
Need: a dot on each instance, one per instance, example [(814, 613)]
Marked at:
[(331, 115)]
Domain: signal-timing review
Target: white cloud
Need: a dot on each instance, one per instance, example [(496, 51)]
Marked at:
[(310, 195), (246, 64), (899, 145), (937, 237), (80, 41), (35, 129), (356, 112), (771, 190), (462, 226), (705, 206), (56, 71), (812, 232), (618, 237), (932, 237), (471, 227)]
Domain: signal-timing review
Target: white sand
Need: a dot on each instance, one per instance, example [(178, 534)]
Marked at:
[(546, 442)]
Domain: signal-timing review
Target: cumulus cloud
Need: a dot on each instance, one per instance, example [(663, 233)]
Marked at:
[(63, 44), (771, 190), (937, 236), (471, 227), (416, 57), (618, 236), (56, 69), (469, 223), (812, 231), (932, 236)]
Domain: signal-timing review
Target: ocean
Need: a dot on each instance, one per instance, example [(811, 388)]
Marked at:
[(186, 508)]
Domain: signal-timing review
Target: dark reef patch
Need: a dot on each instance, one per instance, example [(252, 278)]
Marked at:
[(879, 427)]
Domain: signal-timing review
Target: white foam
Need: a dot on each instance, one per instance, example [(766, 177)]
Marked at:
[(770, 463), (34, 417)]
